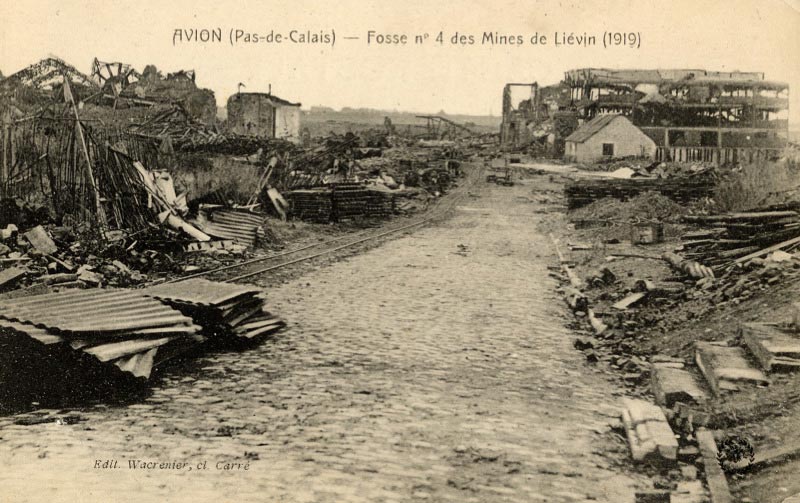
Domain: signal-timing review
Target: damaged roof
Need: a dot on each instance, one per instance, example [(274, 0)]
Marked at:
[(274, 99), (594, 126), (643, 76)]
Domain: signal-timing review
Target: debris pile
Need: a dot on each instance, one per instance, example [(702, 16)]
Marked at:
[(224, 310), (78, 343), (681, 190), (183, 133), (34, 257), (644, 207), (728, 238), (634, 168), (617, 220)]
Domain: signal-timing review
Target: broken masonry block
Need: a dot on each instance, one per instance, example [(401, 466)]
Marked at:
[(11, 275), (776, 350), (688, 454), (715, 477), (656, 496), (725, 367), (796, 316), (650, 436), (629, 301), (41, 241), (671, 385)]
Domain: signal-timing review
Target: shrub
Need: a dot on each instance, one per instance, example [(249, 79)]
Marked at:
[(758, 185)]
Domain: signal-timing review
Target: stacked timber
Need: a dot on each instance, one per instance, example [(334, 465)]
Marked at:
[(682, 190), (339, 202), (225, 311), (355, 200), (315, 205), (113, 327), (737, 237)]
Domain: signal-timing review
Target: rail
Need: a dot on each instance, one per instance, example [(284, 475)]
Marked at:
[(442, 208)]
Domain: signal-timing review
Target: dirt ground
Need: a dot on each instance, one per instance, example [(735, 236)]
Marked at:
[(436, 366)]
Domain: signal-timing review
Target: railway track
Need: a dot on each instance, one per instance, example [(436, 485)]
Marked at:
[(272, 262)]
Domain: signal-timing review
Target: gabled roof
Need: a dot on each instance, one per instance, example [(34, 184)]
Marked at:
[(594, 126)]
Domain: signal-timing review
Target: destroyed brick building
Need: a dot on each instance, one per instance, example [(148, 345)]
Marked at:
[(263, 114), (691, 115), (608, 136)]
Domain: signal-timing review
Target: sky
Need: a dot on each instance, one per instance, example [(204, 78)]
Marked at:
[(748, 35)]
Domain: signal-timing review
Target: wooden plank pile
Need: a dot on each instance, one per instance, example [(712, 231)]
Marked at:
[(225, 311), (123, 328), (354, 200), (738, 237), (315, 205), (339, 202), (682, 190)]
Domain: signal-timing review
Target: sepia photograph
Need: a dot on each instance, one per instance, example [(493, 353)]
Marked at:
[(380, 251)]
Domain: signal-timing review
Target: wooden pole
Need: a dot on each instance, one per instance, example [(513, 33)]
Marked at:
[(4, 167), (90, 173)]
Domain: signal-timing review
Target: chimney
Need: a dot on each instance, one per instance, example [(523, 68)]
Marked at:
[(269, 90)]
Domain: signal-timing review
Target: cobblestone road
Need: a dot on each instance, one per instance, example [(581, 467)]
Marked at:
[(434, 367)]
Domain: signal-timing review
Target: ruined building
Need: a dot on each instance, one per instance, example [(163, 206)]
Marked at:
[(536, 115), (42, 82), (691, 115), (123, 85), (263, 114)]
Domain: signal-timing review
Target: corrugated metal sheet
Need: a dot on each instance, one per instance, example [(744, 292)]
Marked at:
[(98, 313), (201, 292), (236, 225), (224, 308), (36, 333), (133, 356)]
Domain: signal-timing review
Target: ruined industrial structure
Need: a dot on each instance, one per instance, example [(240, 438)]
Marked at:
[(111, 85), (691, 115), (265, 115), (122, 81)]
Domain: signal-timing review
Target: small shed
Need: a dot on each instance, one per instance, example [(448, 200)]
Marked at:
[(607, 136), (263, 114)]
